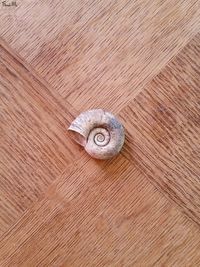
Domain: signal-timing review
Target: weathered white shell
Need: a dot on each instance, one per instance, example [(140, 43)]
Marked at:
[(99, 132)]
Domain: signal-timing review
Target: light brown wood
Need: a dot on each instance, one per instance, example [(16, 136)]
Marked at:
[(163, 130), (34, 145), (94, 52), (58, 206), (123, 221)]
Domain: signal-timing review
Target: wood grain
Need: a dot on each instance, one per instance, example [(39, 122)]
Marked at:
[(34, 146), (163, 125), (123, 221), (59, 207), (96, 52)]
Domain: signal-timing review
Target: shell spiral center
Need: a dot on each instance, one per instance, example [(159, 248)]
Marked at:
[(101, 136)]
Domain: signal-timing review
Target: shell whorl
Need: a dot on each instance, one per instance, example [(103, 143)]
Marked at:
[(99, 132)]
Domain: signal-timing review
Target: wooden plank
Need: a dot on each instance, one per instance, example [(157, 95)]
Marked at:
[(102, 214), (34, 145), (58, 207), (99, 53), (163, 130)]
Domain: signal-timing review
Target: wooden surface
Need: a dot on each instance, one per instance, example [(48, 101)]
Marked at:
[(138, 59)]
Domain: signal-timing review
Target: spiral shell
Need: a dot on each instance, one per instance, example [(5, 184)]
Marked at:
[(99, 132)]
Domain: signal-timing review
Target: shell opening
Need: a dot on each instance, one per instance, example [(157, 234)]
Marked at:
[(79, 138)]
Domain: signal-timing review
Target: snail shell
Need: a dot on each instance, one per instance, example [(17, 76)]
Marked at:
[(99, 132)]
